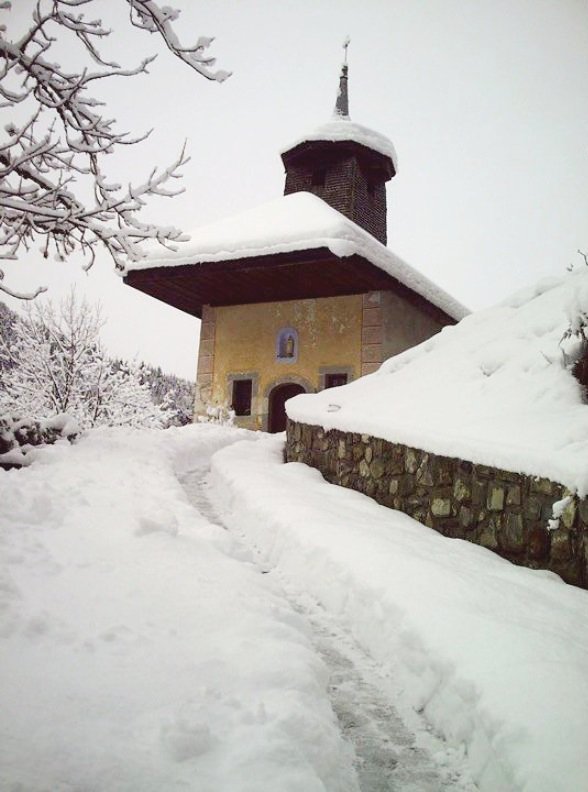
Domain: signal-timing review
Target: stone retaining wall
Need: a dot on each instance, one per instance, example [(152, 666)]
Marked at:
[(502, 511)]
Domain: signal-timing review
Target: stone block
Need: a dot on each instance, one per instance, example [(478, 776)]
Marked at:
[(370, 488), (569, 513), (441, 507), (372, 317), (583, 509), (512, 536), (461, 490), (466, 517), (561, 548), (368, 454), (487, 538), (541, 486), (478, 492), (206, 331), (532, 508), (513, 496), (411, 461), (425, 472), (495, 499), (395, 464), (444, 474), (539, 544), (357, 452), (394, 486), (204, 380), (371, 353), (205, 365), (377, 468), (372, 335), (341, 449), (364, 469)]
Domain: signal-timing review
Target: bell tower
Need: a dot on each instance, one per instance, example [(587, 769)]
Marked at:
[(345, 164)]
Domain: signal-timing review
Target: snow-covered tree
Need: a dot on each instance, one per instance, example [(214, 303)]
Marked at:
[(59, 366), (53, 185)]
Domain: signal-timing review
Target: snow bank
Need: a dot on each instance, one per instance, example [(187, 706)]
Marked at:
[(136, 652), (340, 129), (299, 221), (493, 390), (495, 656)]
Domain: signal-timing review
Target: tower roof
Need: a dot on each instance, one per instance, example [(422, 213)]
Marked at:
[(341, 129)]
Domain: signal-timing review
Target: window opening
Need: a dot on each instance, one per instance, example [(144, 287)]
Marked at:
[(335, 380), (242, 390)]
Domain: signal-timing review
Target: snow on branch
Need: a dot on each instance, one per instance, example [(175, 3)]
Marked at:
[(66, 135)]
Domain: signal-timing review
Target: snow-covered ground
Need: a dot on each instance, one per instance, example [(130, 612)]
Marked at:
[(495, 389), (495, 656), (141, 648), (137, 653)]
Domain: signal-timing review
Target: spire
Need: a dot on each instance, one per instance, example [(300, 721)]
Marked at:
[(342, 103)]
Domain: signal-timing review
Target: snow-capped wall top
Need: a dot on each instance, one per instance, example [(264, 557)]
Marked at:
[(342, 128), (493, 390), (300, 221)]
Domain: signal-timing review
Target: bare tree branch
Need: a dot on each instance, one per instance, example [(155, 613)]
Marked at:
[(67, 136)]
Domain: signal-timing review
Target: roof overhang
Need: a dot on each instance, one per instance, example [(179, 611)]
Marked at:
[(294, 275), (325, 151)]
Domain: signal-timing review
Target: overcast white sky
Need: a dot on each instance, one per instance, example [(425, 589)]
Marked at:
[(485, 101)]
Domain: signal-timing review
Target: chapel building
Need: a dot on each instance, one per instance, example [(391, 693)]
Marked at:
[(301, 294)]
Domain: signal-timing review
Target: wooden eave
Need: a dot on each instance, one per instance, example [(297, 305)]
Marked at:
[(296, 275)]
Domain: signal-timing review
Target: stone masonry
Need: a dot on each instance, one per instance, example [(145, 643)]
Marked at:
[(503, 511)]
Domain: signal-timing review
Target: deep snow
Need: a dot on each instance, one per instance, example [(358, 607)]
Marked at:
[(136, 652), (494, 389), (495, 656), (141, 649)]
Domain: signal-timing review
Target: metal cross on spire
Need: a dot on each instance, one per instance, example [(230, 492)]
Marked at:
[(342, 103), (346, 43)]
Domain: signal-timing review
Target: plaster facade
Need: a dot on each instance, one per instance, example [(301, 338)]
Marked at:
[(241, 343), (349, 335)]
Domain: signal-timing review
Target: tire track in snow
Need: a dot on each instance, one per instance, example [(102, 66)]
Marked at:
[(388, 756)]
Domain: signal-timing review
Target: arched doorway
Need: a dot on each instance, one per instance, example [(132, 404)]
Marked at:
[(278, 397)]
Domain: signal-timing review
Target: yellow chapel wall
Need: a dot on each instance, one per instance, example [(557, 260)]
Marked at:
[(329, 337)]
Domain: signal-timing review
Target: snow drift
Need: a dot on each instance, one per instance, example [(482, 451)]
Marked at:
[(494, 389), (136, 652), (494, 655)]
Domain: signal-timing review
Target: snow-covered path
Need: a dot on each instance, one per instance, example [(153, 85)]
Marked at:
[(389, 756)]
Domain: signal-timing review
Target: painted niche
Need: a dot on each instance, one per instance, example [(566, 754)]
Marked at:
[(287, 345)]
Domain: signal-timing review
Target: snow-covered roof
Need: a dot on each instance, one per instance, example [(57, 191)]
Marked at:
[(296, 222), (342, 128), (493, 389)]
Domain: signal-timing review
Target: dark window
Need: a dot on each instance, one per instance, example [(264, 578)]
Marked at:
[(318, 177), (334, 380), (242, 396)]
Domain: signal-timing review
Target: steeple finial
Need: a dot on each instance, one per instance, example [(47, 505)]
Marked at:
[(342, 103)]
